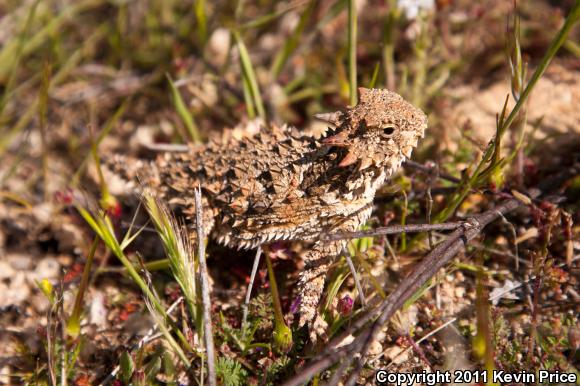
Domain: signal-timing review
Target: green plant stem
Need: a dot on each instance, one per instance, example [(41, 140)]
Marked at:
[(404, 212), (74, 181), (282, 333), (352, 32), (201, 17), (274, 289), (73, 326), (375, 75), (389, 46)]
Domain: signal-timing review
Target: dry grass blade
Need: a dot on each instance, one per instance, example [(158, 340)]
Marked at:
[(12, 65), (72, 61), (179, 251), (393, 230), (161, 323)]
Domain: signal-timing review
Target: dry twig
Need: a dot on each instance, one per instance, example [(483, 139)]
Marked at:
[(208, 334)]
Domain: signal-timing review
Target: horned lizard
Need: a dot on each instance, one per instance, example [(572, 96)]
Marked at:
[(281, 184)]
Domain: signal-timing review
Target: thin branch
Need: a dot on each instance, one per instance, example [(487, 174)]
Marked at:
[(207, 329), (250, 285), (429, 170), (392, 230)]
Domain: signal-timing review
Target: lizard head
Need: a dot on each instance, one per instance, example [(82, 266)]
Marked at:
[(381, 130)]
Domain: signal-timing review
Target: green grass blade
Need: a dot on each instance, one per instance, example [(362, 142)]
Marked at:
[(291, 43), (250, 75), (375, 76), (201, 17), (9, 51), (63, 72), (263, 20), (352, 32), (248, 99), (334, 11), (183, 112), (101, 225), (12, 66)]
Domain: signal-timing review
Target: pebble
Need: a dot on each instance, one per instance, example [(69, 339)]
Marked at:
[(47, 268), (396, 355), (375, 348), (19, 262)]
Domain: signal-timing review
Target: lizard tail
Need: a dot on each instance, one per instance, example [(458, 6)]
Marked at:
[(127, 175)]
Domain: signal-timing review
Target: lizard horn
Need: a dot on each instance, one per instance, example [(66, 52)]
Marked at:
[(332, 118), (349, 159), (340, 139)]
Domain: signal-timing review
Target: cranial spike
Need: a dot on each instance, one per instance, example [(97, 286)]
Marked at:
[(365, 163), (339, 139), (334, 118), (349, 159), (364, 94)]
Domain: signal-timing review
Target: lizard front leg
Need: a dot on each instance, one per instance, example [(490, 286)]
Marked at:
[(311, 284)]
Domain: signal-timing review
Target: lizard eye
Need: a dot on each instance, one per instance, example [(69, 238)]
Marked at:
[(388, 130)]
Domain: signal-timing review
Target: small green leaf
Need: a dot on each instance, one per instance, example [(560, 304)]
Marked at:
[(154, 367), (46, 287), (127, 367)]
